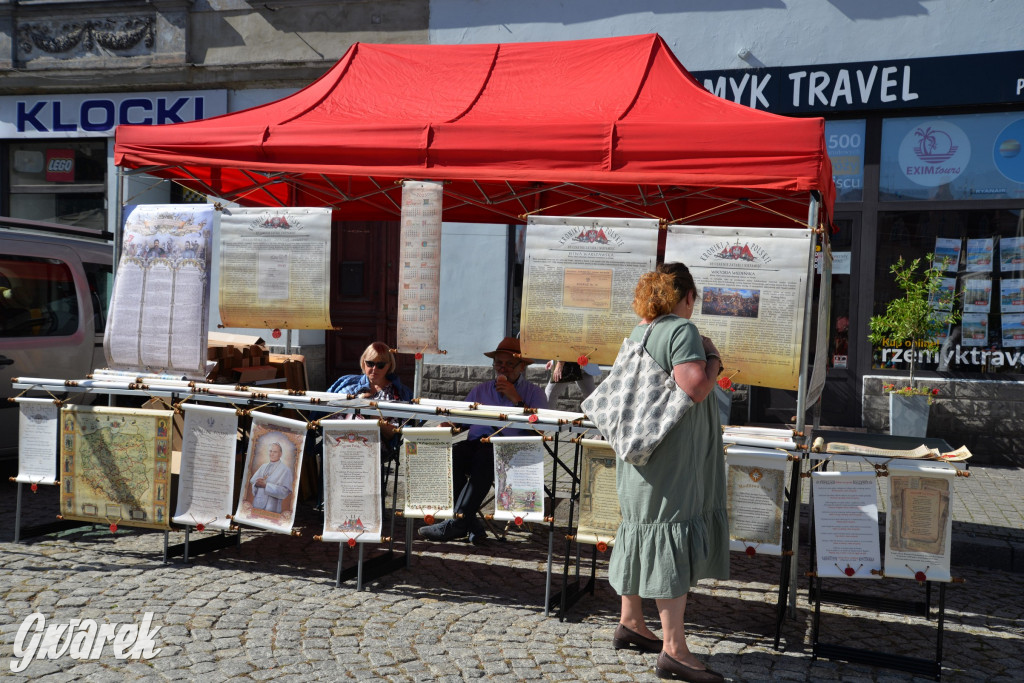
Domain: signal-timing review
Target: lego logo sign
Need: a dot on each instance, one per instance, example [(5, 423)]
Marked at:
[(60, 165)]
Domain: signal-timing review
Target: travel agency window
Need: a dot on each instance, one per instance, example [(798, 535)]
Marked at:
[(845, 140), (58, 181), (954, 186)]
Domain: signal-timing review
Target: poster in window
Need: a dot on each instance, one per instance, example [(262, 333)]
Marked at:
[(978, 295), (942, 298), (1013, 329), (979, 254), (1011, 295), (947, 247), (1011, 253), (974, 329)]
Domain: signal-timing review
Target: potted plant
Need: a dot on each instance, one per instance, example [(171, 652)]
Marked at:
[(916, 317)]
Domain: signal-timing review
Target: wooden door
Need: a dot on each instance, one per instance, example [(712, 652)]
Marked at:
[(364, 294)]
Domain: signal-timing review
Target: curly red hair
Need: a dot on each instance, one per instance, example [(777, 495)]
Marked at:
[(655, 295)]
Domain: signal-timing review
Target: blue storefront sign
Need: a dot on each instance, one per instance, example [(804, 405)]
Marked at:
[(884, 84)]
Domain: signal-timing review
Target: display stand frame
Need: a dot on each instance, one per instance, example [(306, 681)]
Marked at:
[(39, 529), (325, 402), (888, 660), (817, 595), (573, 591), (379, 565)]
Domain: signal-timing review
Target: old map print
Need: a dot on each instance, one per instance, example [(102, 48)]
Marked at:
[(115, 465)]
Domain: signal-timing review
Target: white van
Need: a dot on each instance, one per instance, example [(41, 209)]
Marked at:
[(54, 290)]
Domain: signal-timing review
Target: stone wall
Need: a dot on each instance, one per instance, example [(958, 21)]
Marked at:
[(453, 382), (987, 416)]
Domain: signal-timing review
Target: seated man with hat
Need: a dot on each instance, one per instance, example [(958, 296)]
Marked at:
[(473, 461)]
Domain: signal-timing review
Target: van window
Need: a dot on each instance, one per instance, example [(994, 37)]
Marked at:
[(101, 283), (37, 298)]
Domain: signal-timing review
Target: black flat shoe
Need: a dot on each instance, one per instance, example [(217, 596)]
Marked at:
[(626, 638), (673, 669)]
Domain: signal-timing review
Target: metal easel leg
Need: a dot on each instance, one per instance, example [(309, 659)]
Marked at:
[(17, 517)]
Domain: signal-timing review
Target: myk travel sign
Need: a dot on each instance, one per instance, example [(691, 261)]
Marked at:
[(884, 84)]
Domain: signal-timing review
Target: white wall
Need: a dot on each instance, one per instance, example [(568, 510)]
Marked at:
[(474, 276), (708, 34)]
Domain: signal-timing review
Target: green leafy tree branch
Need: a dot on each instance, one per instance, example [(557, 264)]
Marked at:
[(917, 316)]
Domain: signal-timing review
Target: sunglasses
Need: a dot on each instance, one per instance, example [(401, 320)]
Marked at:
[(380, 365)]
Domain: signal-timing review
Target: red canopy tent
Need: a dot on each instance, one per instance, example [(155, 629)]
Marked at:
[(607, 127)]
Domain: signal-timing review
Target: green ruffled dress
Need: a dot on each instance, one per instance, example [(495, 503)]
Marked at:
[(675, 526)]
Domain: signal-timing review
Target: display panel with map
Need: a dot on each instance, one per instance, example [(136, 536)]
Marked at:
[(116, 465)]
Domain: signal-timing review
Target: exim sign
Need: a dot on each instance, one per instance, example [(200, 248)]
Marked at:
[(69, 116), (996, 78)]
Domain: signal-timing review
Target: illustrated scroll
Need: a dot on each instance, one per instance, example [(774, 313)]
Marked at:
[(756, 497), (846, 524), (270, 480), (206, 481), (920, 522), (519, 478), (37, 440), (275, 268), (352, 489), (599, 498), (752, 284), (115, 465), (419, 272), (427, 459), (578, 283), (159, 307)]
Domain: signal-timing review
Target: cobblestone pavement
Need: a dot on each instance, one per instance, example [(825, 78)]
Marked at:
[(268, 608)]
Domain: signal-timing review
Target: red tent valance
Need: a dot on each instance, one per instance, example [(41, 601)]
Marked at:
[(607, 127)]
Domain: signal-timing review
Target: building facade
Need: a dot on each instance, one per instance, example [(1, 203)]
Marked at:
[(924, 109)]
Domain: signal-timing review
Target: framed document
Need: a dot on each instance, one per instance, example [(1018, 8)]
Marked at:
[(600, 515)]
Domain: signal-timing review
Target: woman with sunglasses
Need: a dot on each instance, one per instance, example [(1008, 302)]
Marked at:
[(379, 383)]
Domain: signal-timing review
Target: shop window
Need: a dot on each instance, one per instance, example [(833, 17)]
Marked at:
[(986, 248), (101, 285), (839, 311), (352, 279), (845, 140), (37, 298), (976, 156), (59, 181)]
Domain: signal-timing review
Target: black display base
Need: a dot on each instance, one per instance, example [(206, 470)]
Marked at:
[(190, 548)]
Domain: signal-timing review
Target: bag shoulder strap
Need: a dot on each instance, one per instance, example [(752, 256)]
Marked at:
[(647, 332)]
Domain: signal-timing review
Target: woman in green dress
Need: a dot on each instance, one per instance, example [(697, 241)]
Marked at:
[(675, 527)]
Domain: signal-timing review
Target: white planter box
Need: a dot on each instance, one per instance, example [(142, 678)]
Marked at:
[(908, 415)]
